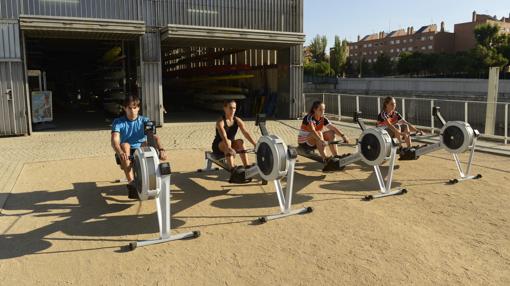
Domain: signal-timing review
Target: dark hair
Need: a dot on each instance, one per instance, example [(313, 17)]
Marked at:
[(387, 100), (228, 101), (131, 99), (315, 104)]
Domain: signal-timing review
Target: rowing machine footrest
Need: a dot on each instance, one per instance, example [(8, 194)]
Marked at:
[(407, 154), (333, 164), (238, 176)]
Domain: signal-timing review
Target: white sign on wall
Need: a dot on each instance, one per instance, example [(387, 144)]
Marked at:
[(42, 109)]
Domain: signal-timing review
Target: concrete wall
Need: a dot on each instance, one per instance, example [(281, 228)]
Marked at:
[(474, 89)]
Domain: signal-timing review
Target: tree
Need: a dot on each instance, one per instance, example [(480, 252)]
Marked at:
[(338, 56), (383, 66), (318, 48), (318, 69), (488, 36), (491, 48)]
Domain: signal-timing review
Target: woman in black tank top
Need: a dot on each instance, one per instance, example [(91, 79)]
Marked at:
[(226, 129)]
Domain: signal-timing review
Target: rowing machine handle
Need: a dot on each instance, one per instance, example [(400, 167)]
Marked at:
[(357, 119)]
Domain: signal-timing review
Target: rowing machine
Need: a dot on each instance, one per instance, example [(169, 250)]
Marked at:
[(274, 162), (152, 182), (238, 174), (455, 137), (375, 147)]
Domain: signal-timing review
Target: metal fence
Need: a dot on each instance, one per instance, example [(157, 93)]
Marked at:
[(418, 111)]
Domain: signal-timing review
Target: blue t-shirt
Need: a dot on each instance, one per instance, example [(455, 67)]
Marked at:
[(131, 131)]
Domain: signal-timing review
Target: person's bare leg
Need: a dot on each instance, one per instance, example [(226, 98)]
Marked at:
[(312, 142), (238, 145), (126, 164), (230, 158), (406, 137), (330, 137)]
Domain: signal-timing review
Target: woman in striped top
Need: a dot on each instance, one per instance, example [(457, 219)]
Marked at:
[(312, 134), (394, 123)]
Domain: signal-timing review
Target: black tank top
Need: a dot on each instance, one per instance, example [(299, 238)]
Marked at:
[(230, 130)]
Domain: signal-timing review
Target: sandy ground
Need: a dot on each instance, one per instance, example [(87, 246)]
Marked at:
[(65, 222)]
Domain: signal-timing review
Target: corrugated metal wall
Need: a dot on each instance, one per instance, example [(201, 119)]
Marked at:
[(13, 120), (152, 85), (104, 9), (271, 15), (9, 40)]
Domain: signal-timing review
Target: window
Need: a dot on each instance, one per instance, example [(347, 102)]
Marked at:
[(369, 45), (364, 53), (430, 47), (423, 48), (405, 41), (364, 45), (355, 61), (375, 60), (410, 40), (410, 48), (397, 41), (431, 38), (370, 52), (423, 38), (398, 50), (391, 51), (392, 42), (403, 49), (370, 60)]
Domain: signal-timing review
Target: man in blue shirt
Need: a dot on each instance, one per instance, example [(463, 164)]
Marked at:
[(127, 135)]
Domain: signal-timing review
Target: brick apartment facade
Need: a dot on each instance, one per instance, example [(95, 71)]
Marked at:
[(427, 39)]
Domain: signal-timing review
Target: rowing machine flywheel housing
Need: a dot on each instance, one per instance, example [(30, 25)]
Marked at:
[(375, 146), (147, 181), (271, 157), (457, 136)]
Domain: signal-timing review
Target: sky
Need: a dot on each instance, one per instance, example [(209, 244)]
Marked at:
[(347, 19)]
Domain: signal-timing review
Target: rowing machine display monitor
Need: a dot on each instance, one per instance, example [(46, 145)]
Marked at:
[(261, 123), (455, 137), (357, 119), (149, 129), (375, 147)]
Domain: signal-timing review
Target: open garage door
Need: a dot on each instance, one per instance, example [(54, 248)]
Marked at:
[(81, 28), (182, 36), (203, 66), (86, 67)]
